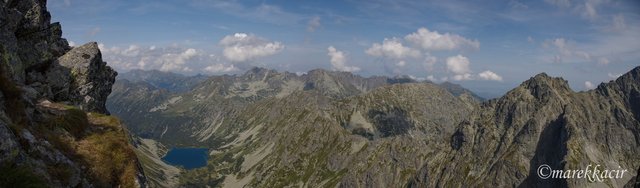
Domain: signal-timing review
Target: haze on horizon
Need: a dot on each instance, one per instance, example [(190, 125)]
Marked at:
[(486, 47)]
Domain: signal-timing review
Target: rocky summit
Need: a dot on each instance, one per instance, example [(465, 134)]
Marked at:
[(54, 127), (266, 128)]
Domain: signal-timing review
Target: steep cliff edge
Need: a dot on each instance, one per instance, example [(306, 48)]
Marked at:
[(53, 131)]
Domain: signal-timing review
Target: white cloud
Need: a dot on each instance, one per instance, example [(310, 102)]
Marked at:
[(171, 59), (432, 40), (133, 50), (72, 44), (488, 75), (242, 47), (419, 79), (175, 62), (458, 64), (401, 63), (338, 60), (589, 85), (313, 24), (432, 78), (392, 48), (460, 77), (218, 68)]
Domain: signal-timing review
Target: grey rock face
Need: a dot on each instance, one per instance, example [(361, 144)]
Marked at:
[(543, 122), (91, 79), (27, 36), (41, 143)]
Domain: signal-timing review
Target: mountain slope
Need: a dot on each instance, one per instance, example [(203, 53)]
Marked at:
[(185, 118)]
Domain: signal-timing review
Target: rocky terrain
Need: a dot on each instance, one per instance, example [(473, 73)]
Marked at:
[(54, 128), (326, 129)]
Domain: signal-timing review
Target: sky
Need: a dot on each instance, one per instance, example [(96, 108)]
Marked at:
[(486, 46)]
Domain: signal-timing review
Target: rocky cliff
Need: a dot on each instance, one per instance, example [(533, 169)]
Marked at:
[(53, 127)]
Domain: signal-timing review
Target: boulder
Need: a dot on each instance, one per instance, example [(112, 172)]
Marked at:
[(82, 78)]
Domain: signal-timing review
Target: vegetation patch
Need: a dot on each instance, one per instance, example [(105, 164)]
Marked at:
[(73, 121), (94, 140), (12, 175)]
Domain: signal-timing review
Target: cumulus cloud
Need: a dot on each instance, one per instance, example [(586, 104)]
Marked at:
[(589, 85), (488, 75), (169, 59), (313, 24), (338, 60), (432, 40), (458, 64), (72, 44), (392, 48), (242, 47), (176, 62)]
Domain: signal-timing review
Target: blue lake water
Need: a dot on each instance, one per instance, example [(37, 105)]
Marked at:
[(188, 158)]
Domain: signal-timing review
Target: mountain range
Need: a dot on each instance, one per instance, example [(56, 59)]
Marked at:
[(67, 119), (324, 128)]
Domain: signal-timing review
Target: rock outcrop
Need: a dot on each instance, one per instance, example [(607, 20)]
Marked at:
[(89, 77), (53, 131)]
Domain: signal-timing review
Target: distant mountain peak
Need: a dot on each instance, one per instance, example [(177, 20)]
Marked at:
[(543, 85)]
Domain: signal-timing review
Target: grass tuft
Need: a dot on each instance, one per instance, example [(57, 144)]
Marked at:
[(73, 121)]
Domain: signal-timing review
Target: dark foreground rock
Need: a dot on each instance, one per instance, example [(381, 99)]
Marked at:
[(53, 127)]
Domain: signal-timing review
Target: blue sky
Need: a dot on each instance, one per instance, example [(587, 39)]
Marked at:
[(489, 47)]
